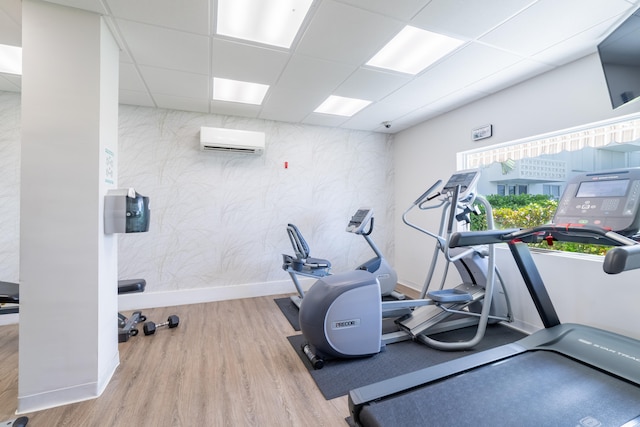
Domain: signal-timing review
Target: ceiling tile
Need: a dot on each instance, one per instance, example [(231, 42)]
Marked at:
[(310, 75), (181, 103), (234, 109), (161, 47), (248, 63), (576, 47), (290, 104), (343, 33), (472, 63), (324, 120), (132, 97), (559, 19), (169, 54), (456, 99), (468, 65), (130, 78), (403, 10), (10, 82), (370, 84), (89, 5), (468, 19), (505, 77), (373, 116), (177, 83), (191, 16)]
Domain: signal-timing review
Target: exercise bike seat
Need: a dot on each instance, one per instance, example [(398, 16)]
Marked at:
[(303, 260)]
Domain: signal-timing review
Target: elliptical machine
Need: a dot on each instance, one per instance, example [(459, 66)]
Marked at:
[(463, 305), (361, 223), (341, 315)]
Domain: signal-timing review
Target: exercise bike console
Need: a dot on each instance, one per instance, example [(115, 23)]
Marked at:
[(359, 221)]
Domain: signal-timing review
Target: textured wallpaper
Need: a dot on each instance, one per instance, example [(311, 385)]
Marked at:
[(9, 186), (218, 219)]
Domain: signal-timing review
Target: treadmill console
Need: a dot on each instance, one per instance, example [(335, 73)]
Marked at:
[(466, 179), (359, 220), (604, 199)]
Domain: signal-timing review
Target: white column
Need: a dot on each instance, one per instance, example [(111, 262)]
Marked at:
[(68, 266)]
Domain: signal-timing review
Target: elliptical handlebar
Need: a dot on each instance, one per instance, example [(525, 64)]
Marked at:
[(427, 193)]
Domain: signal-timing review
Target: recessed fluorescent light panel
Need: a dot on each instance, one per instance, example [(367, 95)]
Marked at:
[(237, 91), (413, 50), (273, 22), (10, 59), (340, 106)]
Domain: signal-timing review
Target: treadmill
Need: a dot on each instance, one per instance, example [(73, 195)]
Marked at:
[(564, 374)]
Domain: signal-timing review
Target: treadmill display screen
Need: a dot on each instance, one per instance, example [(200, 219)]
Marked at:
[(613, 188)]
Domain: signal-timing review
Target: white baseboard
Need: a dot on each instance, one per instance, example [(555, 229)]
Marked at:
[(69, 395), (9, 319), (150, 299)]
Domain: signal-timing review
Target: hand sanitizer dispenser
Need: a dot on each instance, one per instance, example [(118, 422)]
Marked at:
[(125, 211)]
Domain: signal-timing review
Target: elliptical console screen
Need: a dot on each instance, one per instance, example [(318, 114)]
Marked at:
[(604, 199), (465, 179)]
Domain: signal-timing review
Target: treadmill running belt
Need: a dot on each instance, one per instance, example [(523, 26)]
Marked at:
[(537, 388)]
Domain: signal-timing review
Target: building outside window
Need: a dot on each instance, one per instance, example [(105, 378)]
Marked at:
[(532, 168)]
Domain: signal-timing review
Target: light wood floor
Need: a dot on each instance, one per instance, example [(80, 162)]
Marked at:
[(228, 363)]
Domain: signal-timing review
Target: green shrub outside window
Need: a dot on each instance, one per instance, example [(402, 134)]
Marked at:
[(528, 211)]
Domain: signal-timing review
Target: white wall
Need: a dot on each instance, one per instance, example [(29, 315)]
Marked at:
[(68, 266), (572, 95), (217, 219)]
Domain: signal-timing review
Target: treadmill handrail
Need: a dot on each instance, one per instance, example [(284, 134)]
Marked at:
[(623, 258), (586, 231), (592, 234)]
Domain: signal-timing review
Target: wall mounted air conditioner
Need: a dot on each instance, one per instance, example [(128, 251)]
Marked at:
[(231, 140)]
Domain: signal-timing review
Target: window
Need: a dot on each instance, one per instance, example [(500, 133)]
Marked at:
[(511, 189), (553, 191), (542, 164), (532, 168)]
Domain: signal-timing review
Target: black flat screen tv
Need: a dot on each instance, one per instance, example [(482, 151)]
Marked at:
[(620, 57)]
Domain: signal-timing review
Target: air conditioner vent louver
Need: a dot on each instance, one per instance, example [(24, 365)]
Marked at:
[(231, 140), (228, 149)]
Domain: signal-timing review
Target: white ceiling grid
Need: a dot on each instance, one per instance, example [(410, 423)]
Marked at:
[(170, 54)]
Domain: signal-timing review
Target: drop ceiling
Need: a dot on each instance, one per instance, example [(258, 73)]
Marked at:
[(170, 53)]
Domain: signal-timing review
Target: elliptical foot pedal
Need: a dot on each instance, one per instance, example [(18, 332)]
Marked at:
[(450, 296)]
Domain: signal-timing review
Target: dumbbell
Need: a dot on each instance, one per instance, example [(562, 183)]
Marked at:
[(149, 328)]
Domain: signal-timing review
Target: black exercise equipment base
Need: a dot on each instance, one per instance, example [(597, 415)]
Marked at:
[(127, 326)]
